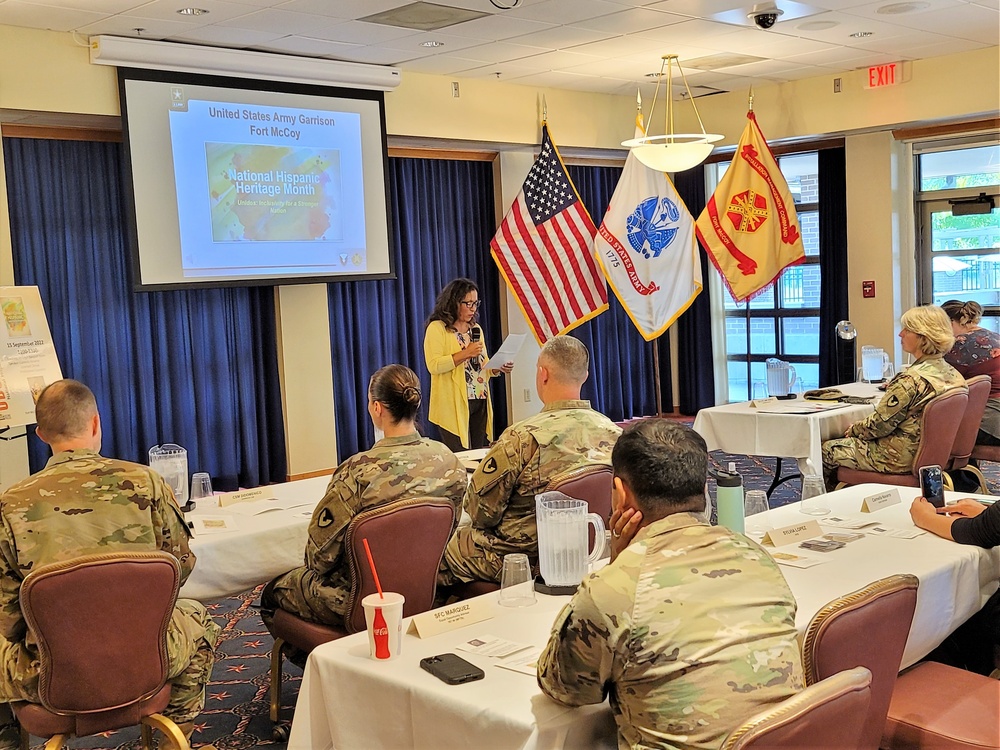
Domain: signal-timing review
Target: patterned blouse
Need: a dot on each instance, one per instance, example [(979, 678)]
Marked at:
[(977, 353), (476, 378)]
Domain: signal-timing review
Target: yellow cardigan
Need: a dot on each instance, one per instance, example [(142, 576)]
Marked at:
[(449, 402)]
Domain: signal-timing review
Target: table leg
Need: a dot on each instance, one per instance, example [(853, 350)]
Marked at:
[(778, 479)]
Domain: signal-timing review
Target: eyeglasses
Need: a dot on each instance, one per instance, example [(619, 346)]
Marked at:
[(473, 305)]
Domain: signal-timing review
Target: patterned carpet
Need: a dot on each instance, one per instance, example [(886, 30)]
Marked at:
[(236, 711)]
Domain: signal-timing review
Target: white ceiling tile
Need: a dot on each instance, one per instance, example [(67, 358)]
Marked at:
[(300, 45), (360, 32), (125, 25), (942, 48), (218, 11), (559, 60), (281, 21), (97, 6), (484, 5), (451, 42), (869, 9), (565, 11), (225, 36), (630, 21), (613, 68), (500, 52), (506, 71), (693, 31), (497, 28), (561, 37), (700, 8), (346, 9), (16, 13), (965, 22), (441, 65), (767, 45), (844, 58), (899, 44), (622, 46), (379, 55)]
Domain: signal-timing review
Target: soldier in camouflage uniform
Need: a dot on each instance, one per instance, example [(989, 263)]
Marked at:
[(887, 440), (400, 465), (81, 504), (691, 628), (566, 434)]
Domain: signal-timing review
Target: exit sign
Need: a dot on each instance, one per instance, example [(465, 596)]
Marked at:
[(884, 75)]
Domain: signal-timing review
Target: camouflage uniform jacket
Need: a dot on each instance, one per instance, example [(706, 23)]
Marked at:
[(500, 498), (893, 429), (393, 469), (82, 504), (691, 630)]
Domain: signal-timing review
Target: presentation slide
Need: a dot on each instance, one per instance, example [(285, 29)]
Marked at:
[(260, 185)]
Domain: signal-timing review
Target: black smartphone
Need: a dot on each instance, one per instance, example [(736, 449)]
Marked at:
[(932, 485), (452, 669)]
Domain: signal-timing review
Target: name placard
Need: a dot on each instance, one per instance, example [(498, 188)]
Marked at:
[(797, 532), (244, 496), (759, 402), (880, 500), (452, 617)]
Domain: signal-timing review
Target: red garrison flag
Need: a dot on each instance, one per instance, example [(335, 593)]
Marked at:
[(545, 250), (749, 227)]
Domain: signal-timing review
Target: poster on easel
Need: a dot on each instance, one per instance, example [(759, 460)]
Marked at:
[(28, 359)]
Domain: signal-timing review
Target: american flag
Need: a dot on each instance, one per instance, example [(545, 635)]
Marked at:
[(545, 250)]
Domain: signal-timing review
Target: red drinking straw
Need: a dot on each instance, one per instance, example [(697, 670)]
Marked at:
[(368, 551)]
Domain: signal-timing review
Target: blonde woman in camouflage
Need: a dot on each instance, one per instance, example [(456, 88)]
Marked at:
[(886, 441), (402, 464)]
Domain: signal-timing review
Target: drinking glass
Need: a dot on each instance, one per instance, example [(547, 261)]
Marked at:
[(755, 503), (517, 589), (759, 390), (814, 500), (201, 488)]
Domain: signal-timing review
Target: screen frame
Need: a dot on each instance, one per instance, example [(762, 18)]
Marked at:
[(217, 81)]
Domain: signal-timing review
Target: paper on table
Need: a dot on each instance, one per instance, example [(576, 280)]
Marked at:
[(804, 407), (897, 533), (492, 645), (213, 524), (847, 522), (794, 559), (507, 352), (525, 662)]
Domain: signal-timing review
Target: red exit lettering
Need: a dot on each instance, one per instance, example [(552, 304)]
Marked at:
[(882, 75)]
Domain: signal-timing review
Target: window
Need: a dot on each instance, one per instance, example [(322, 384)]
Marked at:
[(784, 319), (959, 254)]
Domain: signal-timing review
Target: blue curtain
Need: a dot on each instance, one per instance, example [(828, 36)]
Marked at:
[(442, 220), (694, 328), (621, 383), (198, 367)]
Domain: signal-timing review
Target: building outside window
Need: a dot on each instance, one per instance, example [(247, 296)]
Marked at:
[(958, 223), (784, 320)]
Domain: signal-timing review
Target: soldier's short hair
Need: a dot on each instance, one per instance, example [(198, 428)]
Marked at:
[(664, 463), (64, 409), (566, 358), (933, 326)]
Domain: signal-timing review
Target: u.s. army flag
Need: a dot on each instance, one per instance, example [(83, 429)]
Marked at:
[(749, 226), (647, 250)]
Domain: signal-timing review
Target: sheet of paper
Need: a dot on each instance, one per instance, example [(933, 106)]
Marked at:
[(213, 524), (848, 522), (896, 533), (794, 559), (492, 645), (507, 352), (269, 506), (800, 407), (525, 662)]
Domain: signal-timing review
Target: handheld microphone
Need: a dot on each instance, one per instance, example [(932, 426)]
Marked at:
[(475, 334)]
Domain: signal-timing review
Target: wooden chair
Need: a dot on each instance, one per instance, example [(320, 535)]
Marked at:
[(938, 428), (968, 430), (100, 623), (826, 716), (407, 540), (867, 628)]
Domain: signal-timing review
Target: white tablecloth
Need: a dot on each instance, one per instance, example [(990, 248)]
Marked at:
[(350, 701), (264, 544), (740, 428)]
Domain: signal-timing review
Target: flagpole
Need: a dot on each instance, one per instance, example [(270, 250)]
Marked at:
[(656, 376)]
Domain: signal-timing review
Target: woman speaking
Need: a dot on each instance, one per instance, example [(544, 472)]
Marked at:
[(455, 354)]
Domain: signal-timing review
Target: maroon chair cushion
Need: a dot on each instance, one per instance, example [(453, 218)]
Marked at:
[(941, 707), (303, 634), (41, 722), (869, 629), (987, 453), (968, 428)]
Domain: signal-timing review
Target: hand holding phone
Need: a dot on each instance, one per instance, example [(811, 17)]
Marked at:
[(452, 669), (932, 485)]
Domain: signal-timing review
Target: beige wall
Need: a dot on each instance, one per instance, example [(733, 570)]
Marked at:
[(48, 71)]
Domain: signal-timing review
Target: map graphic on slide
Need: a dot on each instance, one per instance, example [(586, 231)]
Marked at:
[(268, 193)]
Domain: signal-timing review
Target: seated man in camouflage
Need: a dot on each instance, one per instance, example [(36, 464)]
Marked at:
[(566, 434), (82, 504), (691, 627)]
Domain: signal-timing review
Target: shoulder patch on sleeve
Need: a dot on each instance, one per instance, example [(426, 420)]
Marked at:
[(490, 466), (325, 518)]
